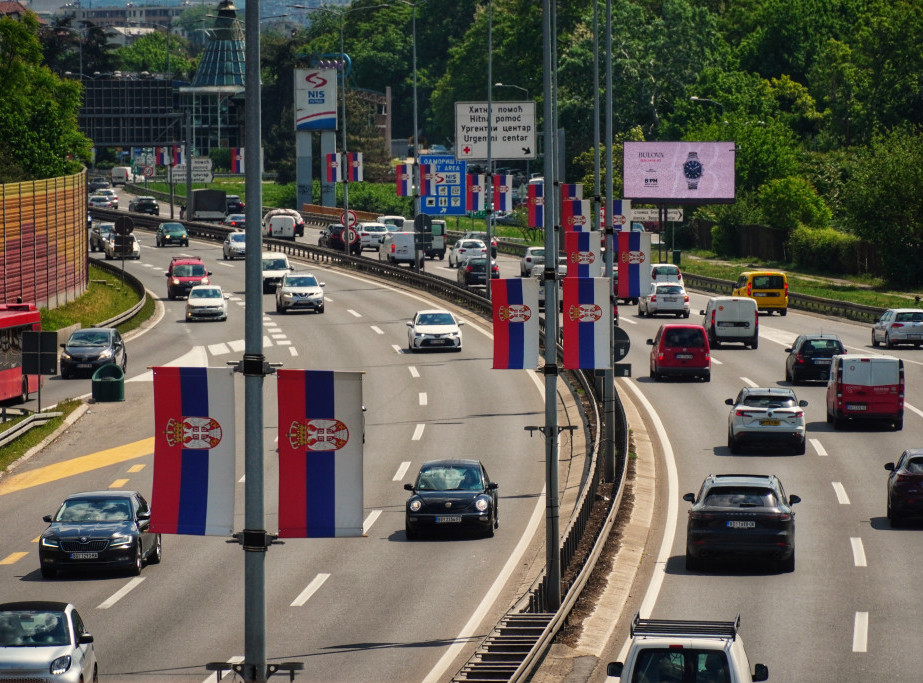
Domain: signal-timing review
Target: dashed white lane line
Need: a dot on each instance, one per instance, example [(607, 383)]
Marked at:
[(377, 330), (310, 589), (353, 313), (747, 380), (218, 349), (413, 372), (121, 593), (858, 552), (418, 432), (715, 361), (237, 659), (284, 342), (913, 409), (860, 632), (397, 348), (423, 399), (370, 520), (841, 496), (292, 350), (816, 445), (238, 345), (401, 470)]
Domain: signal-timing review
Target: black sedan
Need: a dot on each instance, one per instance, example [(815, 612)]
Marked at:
[(99, 530), (452, 494), (905, 487), (85, 351), (171, 233), (471, 272), (809, 357), (741, 515)]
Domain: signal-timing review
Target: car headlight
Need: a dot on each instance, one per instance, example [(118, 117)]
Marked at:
[(287, 295), (119, 541), (50, 542), (106, 354), (415, 505), (65, 355), (60, 665), (482, 503), (176, 281)]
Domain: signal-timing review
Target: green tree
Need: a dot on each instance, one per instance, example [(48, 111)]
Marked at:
[(158, 52), (789, 202)]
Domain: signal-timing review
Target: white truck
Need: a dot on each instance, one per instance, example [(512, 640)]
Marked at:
[(280, 226), (673, 650)]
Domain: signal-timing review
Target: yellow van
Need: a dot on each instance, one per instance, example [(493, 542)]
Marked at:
[(768, 287)]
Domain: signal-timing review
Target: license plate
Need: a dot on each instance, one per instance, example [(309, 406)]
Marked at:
[(84, 365), (822, 361), (755, 294), (684, 356), (914, 336), (84, 556), (855, 406), (670, 299), (769, 423), (741, 525), (438, 341), (451, 519)]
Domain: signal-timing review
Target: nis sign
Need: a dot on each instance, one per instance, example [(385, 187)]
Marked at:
[(512, 130)]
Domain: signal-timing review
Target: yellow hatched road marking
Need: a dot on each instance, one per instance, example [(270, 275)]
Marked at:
[(135, 468), (13, 557), (118, 483)]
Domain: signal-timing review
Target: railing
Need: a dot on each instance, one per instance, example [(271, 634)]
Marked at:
[(19, 429)]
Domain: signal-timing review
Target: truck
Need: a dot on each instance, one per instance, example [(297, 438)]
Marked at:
[(207, 205), (122, 175), (662, 650)]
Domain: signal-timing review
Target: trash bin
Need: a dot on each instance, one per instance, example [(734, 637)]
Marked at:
[(677, 256), (108, 384)]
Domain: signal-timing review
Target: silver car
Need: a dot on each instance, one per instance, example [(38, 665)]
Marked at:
[(300, 292), (899, 326), (766, 416), (45, 641), (235, 245), (533, 256), (664, 297)]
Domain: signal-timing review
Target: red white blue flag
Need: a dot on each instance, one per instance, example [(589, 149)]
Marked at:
[(163, 156), (333, 169), (237, 159), (320, 453), (584, 254), (587, 329), (571, 191), (535, 201), (194, 451), (403, 175), (475, 192), (516, 332), (428, 180), (354, 167), (503, 192), (621, 214), (633, 260), (575, 215)]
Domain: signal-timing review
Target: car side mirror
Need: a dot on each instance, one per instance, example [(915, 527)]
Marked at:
[(702, 312), (408, 487), (792, 499), (208, 272), (63, 346), (788, 350), (167, 274), (144, 515), (889, 466), (493, 486), (461, 322), (47, 519), (729, 401), (323, 284), (760, 672), (614, 669), (649, 342), (409, 323), (803, 404), (85, 638), (689, 497)]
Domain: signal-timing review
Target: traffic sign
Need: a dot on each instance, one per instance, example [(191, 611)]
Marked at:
[(352, 235), (148, 171), (620, 342), (353, 218), (448, 183), (124, 225), (513, 130), (651, 215), (422, 223)]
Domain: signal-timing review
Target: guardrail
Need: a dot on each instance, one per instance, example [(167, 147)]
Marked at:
[(17, 430), (135, 284)]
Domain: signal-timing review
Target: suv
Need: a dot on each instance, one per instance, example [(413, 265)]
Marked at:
[(234, 204), (184, 274), (332, 238), (144, 205)]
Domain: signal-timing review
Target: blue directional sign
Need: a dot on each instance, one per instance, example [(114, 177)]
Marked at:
[(447, 186)]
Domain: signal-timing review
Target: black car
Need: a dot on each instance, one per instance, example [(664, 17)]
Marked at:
[(87, 350), (98, 183), (472, 272), (451, 494), (741, 515), (809, 357), (905, 487), (171, 233), (332, 238), (234, 204), (144, 205), (99, 530)]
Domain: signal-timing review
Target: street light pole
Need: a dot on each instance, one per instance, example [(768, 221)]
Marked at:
[(524, 90)]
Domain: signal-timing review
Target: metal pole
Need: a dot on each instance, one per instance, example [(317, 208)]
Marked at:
[(416, 144), (343, 158), (490, 136)]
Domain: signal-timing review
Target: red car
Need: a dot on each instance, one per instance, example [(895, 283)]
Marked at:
[(680, 350)]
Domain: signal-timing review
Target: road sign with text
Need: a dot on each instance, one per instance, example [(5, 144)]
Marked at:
[(513, 130), (449, 185)]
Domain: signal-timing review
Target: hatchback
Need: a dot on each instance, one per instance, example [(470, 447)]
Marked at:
[(898, 326), (464, 249), (371, 235), (471, 273), (665, 272), (144, 205), (235, 246), (533, 256), (98, 201), (668, 298), (810, 356), (766, 416), (87, 350), (680, 350), (451, 495), (171, 233), (206, 302), (905, 486)]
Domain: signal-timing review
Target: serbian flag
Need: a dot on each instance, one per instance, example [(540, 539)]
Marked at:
[(515, 311), (571, 191), (163, 156), (320, 453), (536, 205), (354, 167), (586, 329), (404, 178), (179, 154), (428, 179), (634, 264), (333, 171), (194, 451), (237, 159), (475, 192), (621, 214), (575, 215), (503, 192), (584, 254)]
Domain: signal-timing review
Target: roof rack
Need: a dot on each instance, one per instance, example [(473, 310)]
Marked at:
[(687, 628)]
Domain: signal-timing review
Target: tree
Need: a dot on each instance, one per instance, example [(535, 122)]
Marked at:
[(158, 52)]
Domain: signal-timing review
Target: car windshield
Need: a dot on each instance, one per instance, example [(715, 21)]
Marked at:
[(173, 229), (301, 281), (89, 338), (189, 270), (450, 478), (764, 401), (741, 497), (80, 510), (238, 237), (209, 293), (31, 628), (435, 319), (274, 264), (672, 665)]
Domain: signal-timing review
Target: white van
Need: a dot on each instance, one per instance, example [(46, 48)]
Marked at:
[(280, 226), (731, 319), (274, 265), (437, 246), (398, 247), (122, 175), (396, 221)]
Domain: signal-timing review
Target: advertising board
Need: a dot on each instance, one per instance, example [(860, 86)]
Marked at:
[(315, 99), (679, 172)]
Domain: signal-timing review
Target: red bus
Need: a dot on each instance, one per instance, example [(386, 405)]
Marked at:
[(14, 320)]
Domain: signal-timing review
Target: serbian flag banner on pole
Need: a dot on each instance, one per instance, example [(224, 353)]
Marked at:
[(354, 166), (621, 214), (584, 254), (535, 201), (163, 157), (475, 192), (179, 155), (515, 311), (333, 171), (320, 453), (237, 159), (586, 329), (575, 215), (571, 191), (402, 174), (428, 180), (503, 192), (634, 264), (194, 452)]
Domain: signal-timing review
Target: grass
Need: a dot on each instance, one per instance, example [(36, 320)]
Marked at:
[(34, 436), (105, 297), (282, 196)]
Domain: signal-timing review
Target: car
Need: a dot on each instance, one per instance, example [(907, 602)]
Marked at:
[(766, 416), (768, 287), (680, 350), (98, 183), (184, 274), (299, 291), (332, 238), (171, 233), (393, 221), (472, 271), (434, 329), (297, 217), (274, 266), (533, 256), (898, 326), (664, 297), (234, 205), (481, 235), (42, 640), (451, 494), (110, 193), (109, 247), (809, 357), (88, 349), (235, 245), (731, 319), (464, 249), (100, 201), (99, 530), (144, 205), (665, 272), (206, 302), (867, 388), (742, 515), (237, 221), (905, 481), (99, 233), (371, 234)]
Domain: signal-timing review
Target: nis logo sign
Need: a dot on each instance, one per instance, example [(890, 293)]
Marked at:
[(315, 80)]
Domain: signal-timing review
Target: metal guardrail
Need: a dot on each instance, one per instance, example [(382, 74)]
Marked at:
[(135, 284), (17, 430)]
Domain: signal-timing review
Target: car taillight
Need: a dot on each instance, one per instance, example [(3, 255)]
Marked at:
[(904, 478), (686, 298), (749, 289), (496, 269), (798, 413), (799, 358), (713, 317), (468, 269), (653, 297), (893, 325), (700, 516), (740, 412)]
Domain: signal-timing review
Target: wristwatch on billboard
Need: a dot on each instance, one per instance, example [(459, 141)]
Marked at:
[(692, 169)]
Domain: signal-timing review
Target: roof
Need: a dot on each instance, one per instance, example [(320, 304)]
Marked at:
[(222, 65), (121, 493), (743, 479), (451, 462), (780, 391), (34, 605)]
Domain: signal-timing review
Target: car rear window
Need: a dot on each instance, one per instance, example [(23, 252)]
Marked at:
[(757, 401), (674, 665), (909, 317), (670, 289), (768, 282), (687, 338), (915, 466), (741, 496)]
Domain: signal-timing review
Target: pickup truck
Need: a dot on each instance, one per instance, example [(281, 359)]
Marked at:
[(674, 651)]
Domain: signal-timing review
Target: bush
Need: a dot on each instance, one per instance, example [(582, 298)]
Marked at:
[(825, 249)]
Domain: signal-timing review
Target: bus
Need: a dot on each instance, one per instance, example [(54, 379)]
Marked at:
[(14, 320)]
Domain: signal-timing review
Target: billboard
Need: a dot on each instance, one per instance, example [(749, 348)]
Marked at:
[(679, 172), (315, 99)]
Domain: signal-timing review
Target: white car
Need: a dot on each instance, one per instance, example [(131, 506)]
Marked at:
[(898, 326), (110, 193), (235, 245), (665, 297), (766, 416), (464, 249), (533, 256), (371, 234), (206, 302), (665, 272), (538, 274), (434, 329), (300, 291), (100, 201), (109, 247), (275, 266)]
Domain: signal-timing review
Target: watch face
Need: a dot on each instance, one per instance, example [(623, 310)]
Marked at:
[(692, 169)]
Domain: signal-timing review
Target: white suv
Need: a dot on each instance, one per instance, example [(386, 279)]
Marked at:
[(766, 416)]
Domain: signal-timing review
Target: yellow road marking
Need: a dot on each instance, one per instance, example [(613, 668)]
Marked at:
[(13, 557), (135, 468), (118, 483), (36, 539), (69, 468)]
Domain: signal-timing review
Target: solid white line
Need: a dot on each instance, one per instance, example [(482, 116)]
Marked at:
[(915, 410), (418, 432), (237, 659), (626, 320), (413, 371), (353, 313), (815, 443), (401, 470), (312, 587), (858, 552), (423, 398), (370, 520), (860, 632), (841, 496), (377, 330), (747, 380), (121, 593)]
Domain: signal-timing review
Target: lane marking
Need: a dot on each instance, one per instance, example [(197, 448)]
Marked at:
[(238, 345), (815, 444), (418, 432), (118, 483), (121, 593), (135, 468), (397, 348), (716, 361), (423, 399), (213, 678), (413, 371), (377, 330), (311, 588), (370, 520), (858, 552), (353, 313), (747, 380), (913, 409), (841, 496), (401, 470), (218, 349), (860, 632), (284, 342), (13, 557), (292, 350), (627, 320)]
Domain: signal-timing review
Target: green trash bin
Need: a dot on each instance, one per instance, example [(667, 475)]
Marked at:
[(677, 257), (109, 384)]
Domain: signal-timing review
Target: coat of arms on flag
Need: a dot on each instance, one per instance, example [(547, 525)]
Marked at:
[(586, 331), (633, 260), (404, 179), (333, 169), (584, 253), (536, 205), (515, 316), (475, 192)]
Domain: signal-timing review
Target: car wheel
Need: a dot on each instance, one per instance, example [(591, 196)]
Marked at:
[(893, 520), (716, 344), (782, 313), (409, 533), (707, 377), (838, 422), (490, 531), (186, 243), (888, 344), (279, 309), (755, 344), (48, 572), (156, 552), (224, 256), (320, 310), (137, 561), (693, 564), (685, 315), (23, 391), (788, 565), (640, 312), (898, 424), (732, 443), (874, 341), (800, 447)]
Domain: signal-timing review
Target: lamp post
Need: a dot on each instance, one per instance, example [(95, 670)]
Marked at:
[(524, 90), (705, 99)]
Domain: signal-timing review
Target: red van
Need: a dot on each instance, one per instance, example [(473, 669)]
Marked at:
[(680, 350), (865, 388)]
